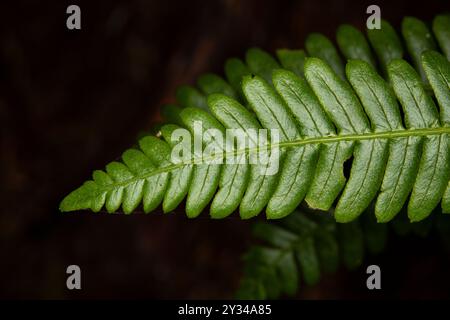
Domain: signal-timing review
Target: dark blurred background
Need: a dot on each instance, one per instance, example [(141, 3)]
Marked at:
[(70, 101)]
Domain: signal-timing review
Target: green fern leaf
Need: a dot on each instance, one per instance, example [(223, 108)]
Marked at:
[(441, 29), (327, 114), (386, 44), (299, 249), (308, 245), (354, 45), (292, 60), (418, 39)]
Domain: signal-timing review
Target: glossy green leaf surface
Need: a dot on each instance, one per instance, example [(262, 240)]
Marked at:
[(292, 60), (190, 97), (420, 112), (317, 45), (353, 44), (205, 177), (386, 44), (235, 70), (180, 178), (418, 39), (261, 63), (441, 30), (211, 83)]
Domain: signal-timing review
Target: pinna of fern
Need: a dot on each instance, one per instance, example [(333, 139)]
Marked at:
[(387, 124)]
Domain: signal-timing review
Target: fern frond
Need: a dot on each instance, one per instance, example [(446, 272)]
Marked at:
[(296, 251), (327, 114), (300, 248)]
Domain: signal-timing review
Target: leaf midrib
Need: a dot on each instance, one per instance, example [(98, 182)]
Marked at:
[(294, 143)]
